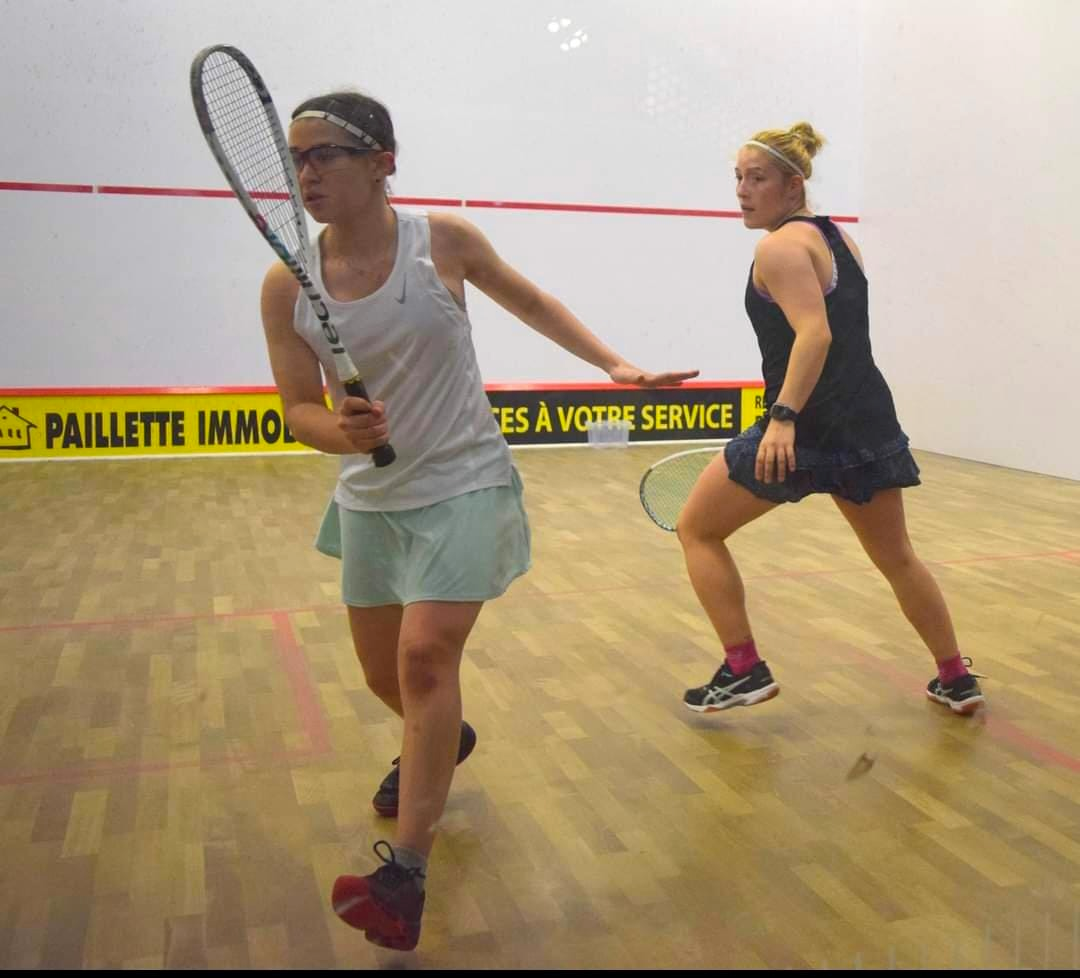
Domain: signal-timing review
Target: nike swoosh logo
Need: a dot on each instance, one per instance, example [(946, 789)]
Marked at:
[(404, 283)]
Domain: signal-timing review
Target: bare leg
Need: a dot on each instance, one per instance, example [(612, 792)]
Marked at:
[(882, 531), (433, 635), (375, 633), (717, 507)]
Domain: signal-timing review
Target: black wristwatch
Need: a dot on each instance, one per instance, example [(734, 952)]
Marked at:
[(781, 412)]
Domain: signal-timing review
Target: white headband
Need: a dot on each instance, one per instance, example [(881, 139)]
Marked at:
[(780, 156), (345, 124)]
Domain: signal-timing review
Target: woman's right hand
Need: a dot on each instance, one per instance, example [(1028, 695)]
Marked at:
[(363, 423)]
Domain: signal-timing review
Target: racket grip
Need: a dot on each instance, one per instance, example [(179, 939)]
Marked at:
[(383, 455)]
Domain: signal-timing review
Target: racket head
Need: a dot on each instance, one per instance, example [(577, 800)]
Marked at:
[(242, 129), (666, 484)]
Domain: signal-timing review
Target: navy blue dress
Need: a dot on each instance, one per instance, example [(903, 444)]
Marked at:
[(848, 441)]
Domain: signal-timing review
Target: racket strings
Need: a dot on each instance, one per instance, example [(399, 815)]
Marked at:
[(666, 487), (250, 144)]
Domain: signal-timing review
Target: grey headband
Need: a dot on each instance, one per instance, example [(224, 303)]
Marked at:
[(359, 133), (780, 156)]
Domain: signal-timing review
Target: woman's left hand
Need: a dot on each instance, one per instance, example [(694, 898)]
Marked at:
[(776, 452), (627, 373)]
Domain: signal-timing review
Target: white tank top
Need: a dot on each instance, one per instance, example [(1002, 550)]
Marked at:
[(412, 344)]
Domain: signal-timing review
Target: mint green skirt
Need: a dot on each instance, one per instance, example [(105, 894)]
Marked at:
[(467, 548)]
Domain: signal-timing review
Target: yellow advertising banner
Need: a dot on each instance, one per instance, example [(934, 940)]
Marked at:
[(102, 423), (77, 425)]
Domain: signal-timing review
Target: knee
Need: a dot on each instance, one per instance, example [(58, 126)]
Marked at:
[(895, 563), (426, 666), (694, 529)]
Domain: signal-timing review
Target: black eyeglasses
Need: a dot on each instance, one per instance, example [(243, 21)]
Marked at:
[(325, 156)]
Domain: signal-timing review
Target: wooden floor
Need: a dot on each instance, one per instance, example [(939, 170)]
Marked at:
[(187, 750)]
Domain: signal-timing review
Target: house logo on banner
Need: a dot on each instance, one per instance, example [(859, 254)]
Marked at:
[(73, 424), (205, 421), (14, 430)]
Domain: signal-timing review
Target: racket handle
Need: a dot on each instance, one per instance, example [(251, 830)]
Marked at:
[(383, 455)]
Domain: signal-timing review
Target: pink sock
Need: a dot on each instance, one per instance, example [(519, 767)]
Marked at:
[(951, 670), (742, 658)]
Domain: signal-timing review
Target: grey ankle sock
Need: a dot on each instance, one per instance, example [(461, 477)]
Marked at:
[(411, 859)]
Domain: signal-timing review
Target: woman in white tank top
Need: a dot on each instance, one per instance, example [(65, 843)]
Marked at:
[(428, 538)]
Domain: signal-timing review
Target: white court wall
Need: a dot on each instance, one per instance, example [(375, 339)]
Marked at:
[(141, 290), (971, 224), (951, 132)]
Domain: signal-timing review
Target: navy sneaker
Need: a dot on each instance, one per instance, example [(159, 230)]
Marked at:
[(962, 695), (726, 690), (386, 798), (386, 905)]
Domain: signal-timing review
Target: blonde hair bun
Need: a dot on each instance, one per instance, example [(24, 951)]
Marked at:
[(799, 144)]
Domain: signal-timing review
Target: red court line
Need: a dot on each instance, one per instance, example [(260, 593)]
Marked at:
[(166, 620), (273, 612), (161, 191), (181, 192), (260, 389), (526, 205), (509, 205), (305, 697), (128, 391), (1010, 733), (958, 561), (134, 769), (305, 701), (1066, 554), (313, 719), (779, 575), (51, 188), (1000, 727), (592, 386), (429, 201)]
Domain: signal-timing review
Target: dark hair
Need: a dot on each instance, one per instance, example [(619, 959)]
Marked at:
[(362, 111)]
